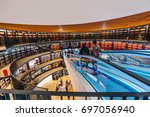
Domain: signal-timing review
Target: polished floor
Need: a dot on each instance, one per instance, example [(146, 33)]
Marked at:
[(51, 86), (4, 68)]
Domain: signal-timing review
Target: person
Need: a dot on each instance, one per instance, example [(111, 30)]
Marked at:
[(84, 51), (57, 88), (60, 83), (95, 50), (66, 87)]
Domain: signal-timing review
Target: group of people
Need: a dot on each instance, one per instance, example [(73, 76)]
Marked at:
[(94, 51), (60, 85)]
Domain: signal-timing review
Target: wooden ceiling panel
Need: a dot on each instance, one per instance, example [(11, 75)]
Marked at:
[(124, 22)]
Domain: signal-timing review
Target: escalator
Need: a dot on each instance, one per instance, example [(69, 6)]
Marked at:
[(137, 62), (108, 76)]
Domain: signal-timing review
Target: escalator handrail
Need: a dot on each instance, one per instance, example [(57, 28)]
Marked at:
[(125, 51), (142, 79)]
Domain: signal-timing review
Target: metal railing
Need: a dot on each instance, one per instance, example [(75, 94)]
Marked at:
[(48, 95), (4, 82)]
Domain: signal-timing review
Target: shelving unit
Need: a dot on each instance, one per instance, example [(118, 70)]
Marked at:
[(5, 59), (2, 38)]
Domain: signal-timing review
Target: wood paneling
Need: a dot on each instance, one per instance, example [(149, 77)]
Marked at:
[(124, 22)]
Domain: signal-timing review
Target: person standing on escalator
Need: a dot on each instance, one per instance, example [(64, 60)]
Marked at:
[(95, 50)]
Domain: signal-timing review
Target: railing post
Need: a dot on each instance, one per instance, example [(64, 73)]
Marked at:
[(124, 98), (136, 98), (61, 97), (7, 96), (145, 98)]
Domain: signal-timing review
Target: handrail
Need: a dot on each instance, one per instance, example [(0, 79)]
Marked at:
[(127, 72), (21, 83), (41, 94), (100, 39), (128, 57), (44, 89), (5, 81), (33, 83), (1, 78), (24, 62), (39, 69), (125, 51)]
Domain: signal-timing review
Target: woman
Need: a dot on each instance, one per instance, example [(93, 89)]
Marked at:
[(95, 50)]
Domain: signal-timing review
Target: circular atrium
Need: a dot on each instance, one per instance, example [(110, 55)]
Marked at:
[(74, 50)]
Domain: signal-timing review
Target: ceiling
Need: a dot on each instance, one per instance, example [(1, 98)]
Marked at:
[(62, 12), (72, 15)]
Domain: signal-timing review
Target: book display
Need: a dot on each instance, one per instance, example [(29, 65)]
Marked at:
[(22, 69), (57, 55), (19, 37), (18, 51), (2, 61), (26, 37), (37, 73), (2, 38), (74, 44), (45, 58), (22, 49), (5, 59), (55, 65), (57, 75), (33, 64), (65, 45)]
